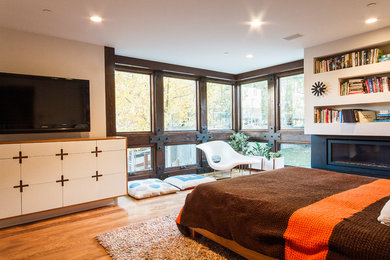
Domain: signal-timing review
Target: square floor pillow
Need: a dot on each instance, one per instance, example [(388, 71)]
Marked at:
[(188, 181), (140, 189)]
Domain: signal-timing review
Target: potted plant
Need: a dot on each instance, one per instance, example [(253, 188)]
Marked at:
[(239, 142), (258, 153), (272, 160)]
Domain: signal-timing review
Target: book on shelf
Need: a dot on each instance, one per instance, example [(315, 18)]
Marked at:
[(349, 116), (364, 86), (366, 116), (383, 116), (348, 60), (384, 58)]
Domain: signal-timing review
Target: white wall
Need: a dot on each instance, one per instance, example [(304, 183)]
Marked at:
[(28, 53)]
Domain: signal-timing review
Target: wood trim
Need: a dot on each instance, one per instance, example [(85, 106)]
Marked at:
[(270, 70), (109, 70), (232, 245), (236, 107), (253, 80), (290, 73), (154, 65), (64, 140), (133, 70)]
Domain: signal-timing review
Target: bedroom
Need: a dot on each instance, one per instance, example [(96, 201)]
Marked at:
[(227, 45)]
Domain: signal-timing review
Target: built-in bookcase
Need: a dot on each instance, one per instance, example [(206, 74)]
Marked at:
[(351, 49)]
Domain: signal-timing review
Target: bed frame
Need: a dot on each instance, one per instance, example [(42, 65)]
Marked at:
[(230, 244)]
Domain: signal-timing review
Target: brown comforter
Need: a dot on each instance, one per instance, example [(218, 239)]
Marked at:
[(295, 213)]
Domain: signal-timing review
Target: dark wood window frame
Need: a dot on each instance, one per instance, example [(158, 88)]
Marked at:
[(158, 70)]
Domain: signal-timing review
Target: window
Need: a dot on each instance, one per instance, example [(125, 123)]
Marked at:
[(219, 106), (132, 102), (179, 104), (291, 102), (180, 155), (254, 105), (296, 154), (139, 159)]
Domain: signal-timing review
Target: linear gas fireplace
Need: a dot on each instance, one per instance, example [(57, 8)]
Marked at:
[(368, 156)]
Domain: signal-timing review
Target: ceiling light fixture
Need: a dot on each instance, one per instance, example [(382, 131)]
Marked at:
[(371, 20), (249, 56), (371, 4), (46, 10), (96, 19), (255, 23)]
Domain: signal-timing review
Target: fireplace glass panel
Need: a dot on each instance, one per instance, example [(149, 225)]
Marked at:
[(361, 154)]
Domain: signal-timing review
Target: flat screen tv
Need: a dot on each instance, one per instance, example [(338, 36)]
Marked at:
[(36, 104)]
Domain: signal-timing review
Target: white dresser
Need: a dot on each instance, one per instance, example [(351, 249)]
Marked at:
[(43, 175)]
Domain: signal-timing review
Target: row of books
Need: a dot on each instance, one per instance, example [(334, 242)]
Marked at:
[(384, 58), (364, 86), (348, 60), (383, 116), (328, 115)]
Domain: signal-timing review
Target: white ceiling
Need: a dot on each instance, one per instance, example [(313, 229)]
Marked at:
[(197, 33)]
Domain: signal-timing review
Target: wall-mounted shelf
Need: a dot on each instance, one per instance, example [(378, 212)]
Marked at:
[(350, 59)]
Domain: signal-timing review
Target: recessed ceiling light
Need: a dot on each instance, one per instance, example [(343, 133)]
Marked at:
[(249, 56), (255, 23), (96, 19), (46, 10), (372, 20), (371, 4)]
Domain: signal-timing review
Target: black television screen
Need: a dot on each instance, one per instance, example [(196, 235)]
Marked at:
[(35, 104)]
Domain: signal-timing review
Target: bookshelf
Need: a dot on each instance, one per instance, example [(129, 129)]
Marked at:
[(350, 59), (333, 79)]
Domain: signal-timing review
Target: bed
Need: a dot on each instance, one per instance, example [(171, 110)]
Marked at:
[(292, 213)]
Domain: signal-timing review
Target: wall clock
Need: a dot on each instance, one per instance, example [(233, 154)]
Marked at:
[(318, 89)]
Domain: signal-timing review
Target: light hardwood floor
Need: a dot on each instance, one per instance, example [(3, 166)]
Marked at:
[(72, 236)]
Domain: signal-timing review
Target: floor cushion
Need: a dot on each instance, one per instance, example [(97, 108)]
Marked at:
[(188, 181), (140, 189)]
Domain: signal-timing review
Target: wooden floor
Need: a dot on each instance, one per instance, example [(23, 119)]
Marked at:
[(72, 236)]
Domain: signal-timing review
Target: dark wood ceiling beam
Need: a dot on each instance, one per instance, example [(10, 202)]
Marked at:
[(154, 65), (270, 70)]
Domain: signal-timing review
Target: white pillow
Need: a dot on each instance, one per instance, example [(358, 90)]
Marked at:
[(188, 181), (140, 189), (384, 217)]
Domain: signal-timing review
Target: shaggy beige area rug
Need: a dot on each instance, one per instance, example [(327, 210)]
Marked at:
[(160, 239)]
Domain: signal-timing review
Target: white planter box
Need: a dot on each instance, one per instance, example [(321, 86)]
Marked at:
[(278, 163), (275, 163), (258, 166)]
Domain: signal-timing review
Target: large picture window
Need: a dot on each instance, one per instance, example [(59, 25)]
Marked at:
[(219, 106), (165, 110), (296, 154), (254, 105), (179, 104), (139, 159), (291, 102), (180, 155), (132, 102)]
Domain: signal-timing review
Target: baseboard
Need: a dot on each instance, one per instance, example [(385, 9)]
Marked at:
[(55, 213)]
